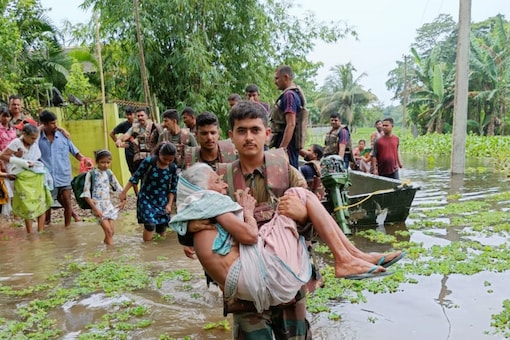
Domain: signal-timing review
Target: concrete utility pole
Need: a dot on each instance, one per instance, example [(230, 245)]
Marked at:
[(461, 90), (404, 99)]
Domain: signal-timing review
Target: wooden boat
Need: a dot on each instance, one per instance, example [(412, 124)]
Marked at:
[(377, 200)]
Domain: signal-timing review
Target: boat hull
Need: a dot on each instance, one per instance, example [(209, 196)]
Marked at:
[(375, 200)]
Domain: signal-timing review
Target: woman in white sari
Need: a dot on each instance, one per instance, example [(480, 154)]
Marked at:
[(32, 197)]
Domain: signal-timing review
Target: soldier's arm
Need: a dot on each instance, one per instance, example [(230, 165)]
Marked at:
[(290, 125), (290, 205)]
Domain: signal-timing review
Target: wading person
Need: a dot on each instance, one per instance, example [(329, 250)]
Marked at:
[(158, 176), (55, 149), (268, 178), (32, 197), (96, 192)]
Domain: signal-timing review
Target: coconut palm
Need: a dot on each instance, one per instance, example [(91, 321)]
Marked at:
[(344, 94)]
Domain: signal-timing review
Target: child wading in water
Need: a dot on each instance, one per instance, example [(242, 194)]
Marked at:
[(158, 174), (99, 197)]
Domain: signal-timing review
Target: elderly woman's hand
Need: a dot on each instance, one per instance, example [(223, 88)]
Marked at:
[(245, 200)]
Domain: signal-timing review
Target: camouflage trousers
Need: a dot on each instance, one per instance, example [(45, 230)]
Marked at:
[(286, 322)]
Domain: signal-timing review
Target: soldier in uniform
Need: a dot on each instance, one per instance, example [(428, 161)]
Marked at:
[(338, 140)]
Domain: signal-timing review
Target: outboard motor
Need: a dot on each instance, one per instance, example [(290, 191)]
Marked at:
[(335, 178)]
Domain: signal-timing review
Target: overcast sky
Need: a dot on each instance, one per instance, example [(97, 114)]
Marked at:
[(386, 29)]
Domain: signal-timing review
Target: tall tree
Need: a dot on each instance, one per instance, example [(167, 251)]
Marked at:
[(39, 61), (10, 40), (198, 52), (344, 94)]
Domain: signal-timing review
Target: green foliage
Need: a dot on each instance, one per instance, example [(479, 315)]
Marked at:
[(501, 321), (78, 83), (428, 85), (117, 325), (223, 324), (181, 274), (197, 53)]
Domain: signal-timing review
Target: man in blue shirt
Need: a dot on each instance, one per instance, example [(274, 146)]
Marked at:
[(286, 125), (54, 150)]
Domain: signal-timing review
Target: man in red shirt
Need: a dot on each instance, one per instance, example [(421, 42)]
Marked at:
[(385, 156)]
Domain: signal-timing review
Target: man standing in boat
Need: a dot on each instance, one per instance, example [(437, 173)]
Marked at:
[(338, 140), (385, 156)]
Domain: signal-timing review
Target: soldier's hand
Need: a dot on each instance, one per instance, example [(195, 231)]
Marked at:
[(291, 206)]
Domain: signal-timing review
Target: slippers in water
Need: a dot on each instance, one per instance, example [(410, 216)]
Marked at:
[(368, 275), (386, 264)]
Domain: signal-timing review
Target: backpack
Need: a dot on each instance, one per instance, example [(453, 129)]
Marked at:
[(78, 183)]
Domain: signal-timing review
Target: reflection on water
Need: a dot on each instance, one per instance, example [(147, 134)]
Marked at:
[(416, 312)]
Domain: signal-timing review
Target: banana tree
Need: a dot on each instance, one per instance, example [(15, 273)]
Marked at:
[(490, 76), (431, 99)]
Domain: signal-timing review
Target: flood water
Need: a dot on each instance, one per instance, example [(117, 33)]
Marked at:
[(437, 307)]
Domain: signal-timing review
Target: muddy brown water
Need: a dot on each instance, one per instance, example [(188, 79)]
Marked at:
[(437, 307)]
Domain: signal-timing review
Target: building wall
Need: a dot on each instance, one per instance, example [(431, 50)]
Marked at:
[(90, 135)]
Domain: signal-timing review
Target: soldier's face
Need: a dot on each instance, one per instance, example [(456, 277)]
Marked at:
[(168, 124), (188, 120), (253, 96), (335, 122), (249, 136), (280, 80), (142, 117), (208, 136)]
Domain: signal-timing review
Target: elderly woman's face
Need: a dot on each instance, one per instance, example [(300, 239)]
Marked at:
[(30, 139), (216, 183)]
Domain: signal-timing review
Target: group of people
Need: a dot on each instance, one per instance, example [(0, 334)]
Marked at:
[(381, 158), (242, 207), (34, 160)]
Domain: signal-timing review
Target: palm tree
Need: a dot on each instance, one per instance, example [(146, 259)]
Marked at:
[(342, 93)]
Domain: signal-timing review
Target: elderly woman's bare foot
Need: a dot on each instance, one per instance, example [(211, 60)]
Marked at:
[(356, 266), (386, 260)]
